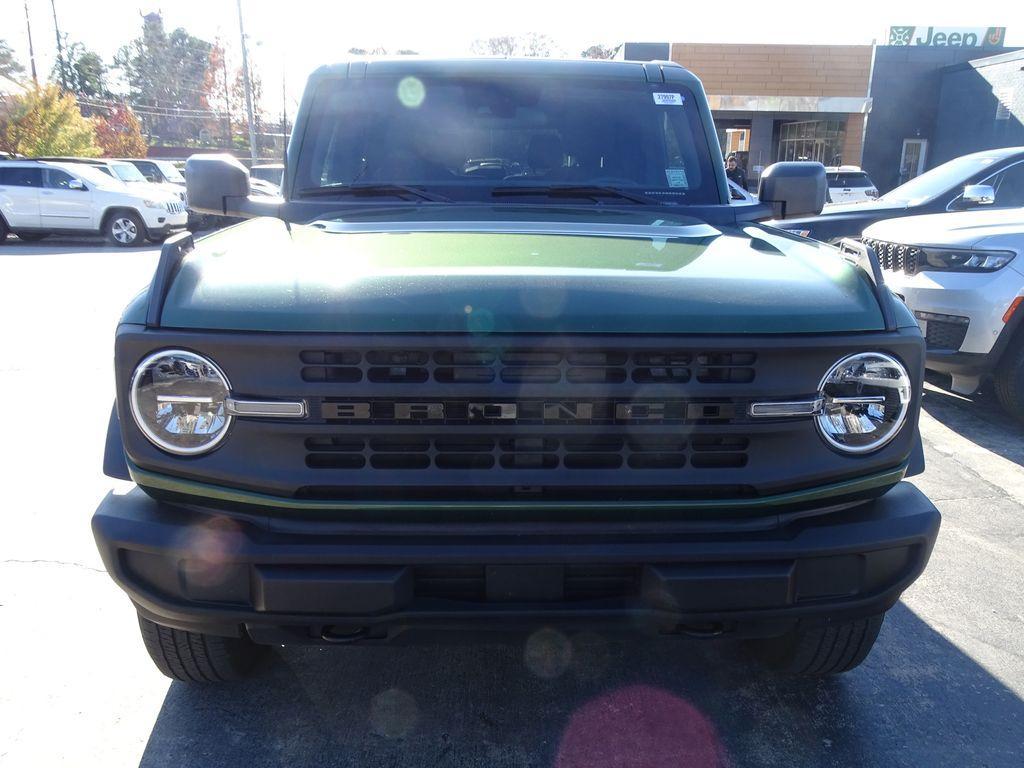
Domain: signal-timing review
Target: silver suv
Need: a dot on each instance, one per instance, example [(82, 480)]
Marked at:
[(962, 274)]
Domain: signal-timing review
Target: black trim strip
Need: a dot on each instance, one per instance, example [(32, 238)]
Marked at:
[(174, 249), (864, 258)]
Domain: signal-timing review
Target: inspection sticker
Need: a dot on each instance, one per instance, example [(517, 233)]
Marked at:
[(669, 99), (676, 177)]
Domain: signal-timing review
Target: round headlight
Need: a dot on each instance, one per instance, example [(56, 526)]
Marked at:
[(865, 400), (178, 400)]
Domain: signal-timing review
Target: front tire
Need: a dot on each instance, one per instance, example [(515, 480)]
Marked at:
[(124, 229), (197, 658), (1009, 379), (819, 651)]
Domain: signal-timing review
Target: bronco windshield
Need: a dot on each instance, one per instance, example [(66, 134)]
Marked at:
[(478, 138)]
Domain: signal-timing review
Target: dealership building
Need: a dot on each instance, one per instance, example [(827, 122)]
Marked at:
[(895, 109)]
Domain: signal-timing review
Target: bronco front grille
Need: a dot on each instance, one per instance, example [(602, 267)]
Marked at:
[(467, 420), (519, 365), (895, 257)]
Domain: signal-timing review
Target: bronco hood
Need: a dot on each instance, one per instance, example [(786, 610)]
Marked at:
[(265, 275)]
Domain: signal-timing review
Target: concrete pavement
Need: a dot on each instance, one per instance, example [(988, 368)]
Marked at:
[(944, 685)]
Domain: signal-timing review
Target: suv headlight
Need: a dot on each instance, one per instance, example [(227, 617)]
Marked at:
[(964, 260), (178, 400), (865, 399), (153, 203)]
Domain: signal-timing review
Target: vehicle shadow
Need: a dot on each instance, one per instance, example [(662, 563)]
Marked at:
[(917, 700), (978, 418)]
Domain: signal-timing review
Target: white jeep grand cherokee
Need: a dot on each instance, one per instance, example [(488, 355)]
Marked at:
[(962, 274), (40, 198)]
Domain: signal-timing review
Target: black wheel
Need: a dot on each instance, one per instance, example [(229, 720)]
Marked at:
[(820, 651), (196, 658), (3, 230), (125, 229), (31, 237), (1009, 378)]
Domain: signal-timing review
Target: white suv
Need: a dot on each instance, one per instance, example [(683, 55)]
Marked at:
[(42, 198), (962, 274), (849, 184)]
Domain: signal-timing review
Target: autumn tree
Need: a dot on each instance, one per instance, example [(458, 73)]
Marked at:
[(119, 134), (48, 122), (216, 94)]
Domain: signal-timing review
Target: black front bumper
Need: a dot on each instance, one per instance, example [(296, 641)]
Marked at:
[(283, 580)]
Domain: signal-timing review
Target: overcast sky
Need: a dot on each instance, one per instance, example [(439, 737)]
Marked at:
[(292, 37)]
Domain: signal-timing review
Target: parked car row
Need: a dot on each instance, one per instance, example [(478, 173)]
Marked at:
[(127, 200), (949, 243), (46, 197)]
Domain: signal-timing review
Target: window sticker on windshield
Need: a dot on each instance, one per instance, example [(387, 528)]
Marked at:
[(669, 99), (676, 177)]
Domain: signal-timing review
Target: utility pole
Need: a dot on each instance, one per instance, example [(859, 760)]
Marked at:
[(284, 105), (31, 50), (248, 87), (60, 48)]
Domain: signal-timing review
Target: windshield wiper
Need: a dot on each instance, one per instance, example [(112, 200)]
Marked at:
[(572, 190), (373, 190)]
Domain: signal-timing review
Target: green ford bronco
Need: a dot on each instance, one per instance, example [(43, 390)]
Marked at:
[(507, 354)]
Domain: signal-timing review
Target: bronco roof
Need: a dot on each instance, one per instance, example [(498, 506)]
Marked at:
[(646, 71)]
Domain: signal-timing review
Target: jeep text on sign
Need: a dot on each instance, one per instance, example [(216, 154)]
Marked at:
[(948, 37)]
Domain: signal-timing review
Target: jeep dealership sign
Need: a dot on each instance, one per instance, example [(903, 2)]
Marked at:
[(948, 37)]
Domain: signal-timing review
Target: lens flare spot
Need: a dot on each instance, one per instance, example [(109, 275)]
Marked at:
[(393, 713), (411, 92), (640, 726), (213, 545), (547, 653)]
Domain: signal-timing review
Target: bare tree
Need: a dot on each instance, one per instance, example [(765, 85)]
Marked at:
[(496, 46), (532, 44), (600, 52)]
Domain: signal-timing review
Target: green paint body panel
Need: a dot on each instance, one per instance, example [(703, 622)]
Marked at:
[(265, 275), (158, 482)]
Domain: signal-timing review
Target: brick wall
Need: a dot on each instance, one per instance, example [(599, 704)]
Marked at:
[(778, 70)]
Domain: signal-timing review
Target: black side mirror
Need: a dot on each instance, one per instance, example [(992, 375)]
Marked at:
[(217, 184), (794, 189)]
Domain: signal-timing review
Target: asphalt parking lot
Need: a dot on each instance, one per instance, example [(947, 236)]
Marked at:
[(943, 687)]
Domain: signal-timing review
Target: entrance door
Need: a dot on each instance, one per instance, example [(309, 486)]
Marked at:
[(912, 158)]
